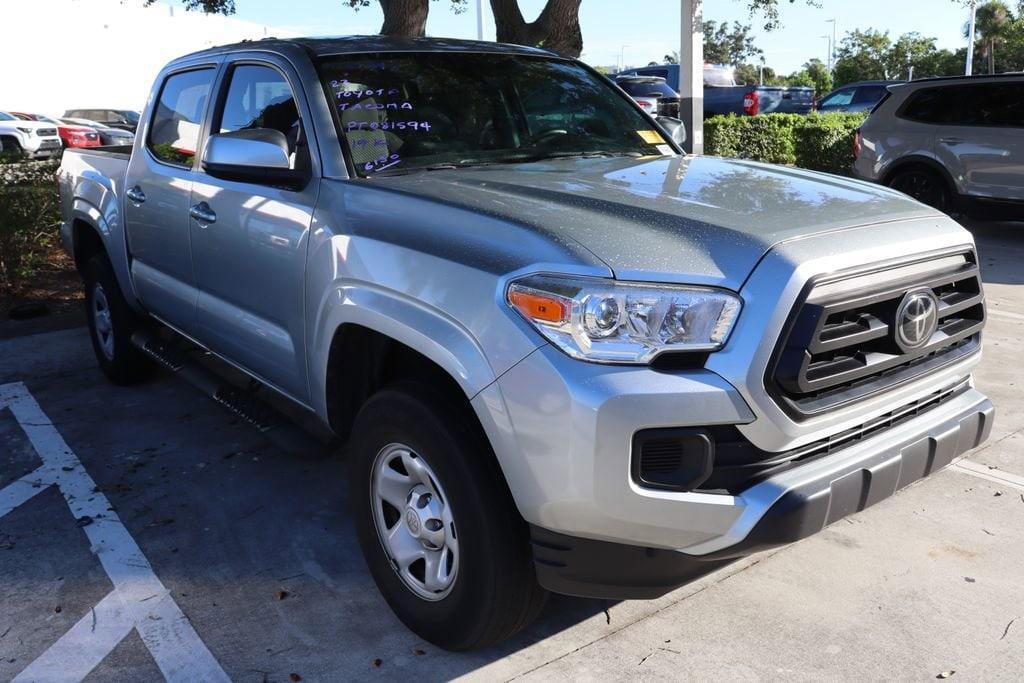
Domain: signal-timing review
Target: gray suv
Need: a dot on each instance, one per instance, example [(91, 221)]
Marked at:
[(952, 143), (564, 355)]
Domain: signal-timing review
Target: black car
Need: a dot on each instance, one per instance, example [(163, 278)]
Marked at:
[(855, 97)]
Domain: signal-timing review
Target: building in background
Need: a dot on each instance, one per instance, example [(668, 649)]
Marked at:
[(75, 54)]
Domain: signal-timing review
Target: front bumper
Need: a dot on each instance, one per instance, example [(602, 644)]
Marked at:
[(778, 511)]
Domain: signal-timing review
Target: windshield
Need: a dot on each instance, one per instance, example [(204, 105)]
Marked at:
[(4, 116), (131, 116), (403, 111)]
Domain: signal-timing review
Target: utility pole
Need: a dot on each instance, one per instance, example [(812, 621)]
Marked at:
[(479, 19), (828, 51), (832, 45), (691, 74), (622, 57), (970, 39)]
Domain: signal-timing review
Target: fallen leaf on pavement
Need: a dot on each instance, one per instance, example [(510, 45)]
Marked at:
[(84, 521), (946, 674), (418, 652), (969, 579), (281, 595), (294, 677), (377, 663)]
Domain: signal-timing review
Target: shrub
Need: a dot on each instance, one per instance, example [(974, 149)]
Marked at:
[(29, 214), (825, 142), (818, 142)]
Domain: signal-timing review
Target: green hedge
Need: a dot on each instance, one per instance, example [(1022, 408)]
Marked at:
[(821, 142), (29, 215)]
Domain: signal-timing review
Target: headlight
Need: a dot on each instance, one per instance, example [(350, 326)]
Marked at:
[(619, 322), (26, 131)]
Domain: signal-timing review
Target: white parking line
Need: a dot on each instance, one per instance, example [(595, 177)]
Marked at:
[(1004, 314), (21, 491), (984, 472), (139, 598)]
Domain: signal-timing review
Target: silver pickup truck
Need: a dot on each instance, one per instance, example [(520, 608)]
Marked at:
[(563, 355)]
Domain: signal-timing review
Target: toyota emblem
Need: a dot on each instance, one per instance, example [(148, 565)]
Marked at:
[(917, 318)]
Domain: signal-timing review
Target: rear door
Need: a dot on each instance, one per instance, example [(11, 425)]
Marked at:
[(157, 189), (250, 259), (984, 138)]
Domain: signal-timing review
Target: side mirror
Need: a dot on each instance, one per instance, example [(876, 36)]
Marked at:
[(252, 155), (674, 127)]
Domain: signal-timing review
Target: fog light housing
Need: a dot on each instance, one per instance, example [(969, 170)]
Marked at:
[(673, 459)]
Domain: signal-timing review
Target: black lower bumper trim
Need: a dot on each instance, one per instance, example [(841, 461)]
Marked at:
[(600, 569), (603, 569)]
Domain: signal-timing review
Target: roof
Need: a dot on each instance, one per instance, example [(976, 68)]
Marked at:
[(338, 45), (954, 79)]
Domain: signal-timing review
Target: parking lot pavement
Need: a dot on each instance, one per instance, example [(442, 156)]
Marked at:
[(199, 526)]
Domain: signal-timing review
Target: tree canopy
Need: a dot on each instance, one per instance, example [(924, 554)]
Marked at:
[(556, 28)]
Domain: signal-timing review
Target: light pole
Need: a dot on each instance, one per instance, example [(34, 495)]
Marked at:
[(970, 39), (691, 74), (832, 45), (828, 51), (479, 19), (622, 57)]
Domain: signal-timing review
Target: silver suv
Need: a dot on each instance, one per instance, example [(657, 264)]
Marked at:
[(952, 143)]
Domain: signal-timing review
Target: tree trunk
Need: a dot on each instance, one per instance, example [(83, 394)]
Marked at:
[(557, 27), (405, 18)]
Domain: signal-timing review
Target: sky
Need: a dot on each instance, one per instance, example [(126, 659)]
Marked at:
[(647, 28)]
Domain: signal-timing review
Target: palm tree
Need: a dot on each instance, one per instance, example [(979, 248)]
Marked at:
[(991, 25)]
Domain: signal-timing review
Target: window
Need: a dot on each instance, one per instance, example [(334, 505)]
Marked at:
[(402, 111), (177, 116), (646, 88), (4, 116), (992, 104), (839, 98), (929, 106), (259, 98), (869, 94), (974, 104)]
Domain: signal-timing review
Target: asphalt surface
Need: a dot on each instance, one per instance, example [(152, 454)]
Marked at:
[(245, 566)]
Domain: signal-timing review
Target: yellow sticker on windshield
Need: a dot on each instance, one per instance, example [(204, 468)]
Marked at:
[(651, 137)]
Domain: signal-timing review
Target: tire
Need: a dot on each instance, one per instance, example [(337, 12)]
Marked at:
[(10, 147), (924, 185), (485, 588), (111, 325)]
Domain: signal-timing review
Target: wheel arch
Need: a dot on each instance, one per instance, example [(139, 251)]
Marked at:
[(362, 361), (921, 161)]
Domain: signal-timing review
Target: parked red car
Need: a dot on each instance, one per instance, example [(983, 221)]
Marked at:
[(71, 136)]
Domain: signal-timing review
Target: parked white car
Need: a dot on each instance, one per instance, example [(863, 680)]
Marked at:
[(35, 139), (952, 143)]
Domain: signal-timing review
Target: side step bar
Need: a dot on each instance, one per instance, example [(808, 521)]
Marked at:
[(178, 357)]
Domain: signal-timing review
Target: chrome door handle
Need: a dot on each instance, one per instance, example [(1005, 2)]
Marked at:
[(136, 194), (951, 141), (203, 213)]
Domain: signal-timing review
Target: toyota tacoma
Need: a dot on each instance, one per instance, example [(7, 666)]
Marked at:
[(562, 354)]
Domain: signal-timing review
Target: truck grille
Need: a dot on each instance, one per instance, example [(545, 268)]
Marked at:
[(46, 132), (858, 334)]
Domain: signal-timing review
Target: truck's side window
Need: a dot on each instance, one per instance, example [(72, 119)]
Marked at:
[(259, 97), (174, 132)]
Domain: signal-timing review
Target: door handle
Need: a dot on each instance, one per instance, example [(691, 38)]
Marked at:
[(203, 213), (951, 141), (136, 194)]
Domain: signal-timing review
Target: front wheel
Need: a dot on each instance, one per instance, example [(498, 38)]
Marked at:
[(436, 522), (924, 185)]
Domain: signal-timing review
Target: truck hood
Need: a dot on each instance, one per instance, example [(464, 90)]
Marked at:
[(701, 220)]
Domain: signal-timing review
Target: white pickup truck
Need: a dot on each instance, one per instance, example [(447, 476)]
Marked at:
[(565, 356)]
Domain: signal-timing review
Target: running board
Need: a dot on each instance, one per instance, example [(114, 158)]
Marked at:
[(243, 402)]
